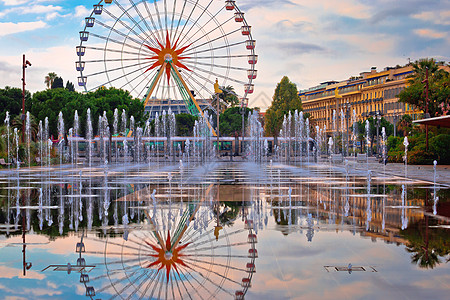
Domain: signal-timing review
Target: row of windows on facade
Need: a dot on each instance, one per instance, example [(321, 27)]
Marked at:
[(389, 93)]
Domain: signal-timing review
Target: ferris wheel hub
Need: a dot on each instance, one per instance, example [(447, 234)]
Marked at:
[(168, 255), (168, 57)]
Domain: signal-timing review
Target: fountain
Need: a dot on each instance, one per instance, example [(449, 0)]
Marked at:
[(405, 157)]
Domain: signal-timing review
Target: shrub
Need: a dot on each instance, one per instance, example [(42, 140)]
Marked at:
[(421, 157), (440, 146)]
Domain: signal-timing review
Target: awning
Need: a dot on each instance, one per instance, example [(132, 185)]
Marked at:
[(443, 121)]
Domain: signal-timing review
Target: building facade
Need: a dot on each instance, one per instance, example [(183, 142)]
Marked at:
[(370, 94)]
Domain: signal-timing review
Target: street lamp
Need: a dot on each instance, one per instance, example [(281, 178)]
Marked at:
[(25, 64), (427, 115)]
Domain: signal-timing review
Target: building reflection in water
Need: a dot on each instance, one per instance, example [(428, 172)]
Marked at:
[(178, 237)]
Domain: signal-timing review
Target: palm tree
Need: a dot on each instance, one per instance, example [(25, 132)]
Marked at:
[(49, 79), (17, 122), (229, 96)]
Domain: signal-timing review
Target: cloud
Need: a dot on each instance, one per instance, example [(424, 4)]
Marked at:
[(31, 9), (247, 5), (14, 2), (435, 17), (429, 33), (298, 48), (11, 28), (7, 272), (81, 11)]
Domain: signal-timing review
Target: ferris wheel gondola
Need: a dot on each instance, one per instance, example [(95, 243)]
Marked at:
[(167, 51)]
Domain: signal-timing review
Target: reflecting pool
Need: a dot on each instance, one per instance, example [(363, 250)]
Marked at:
[(221, 230)]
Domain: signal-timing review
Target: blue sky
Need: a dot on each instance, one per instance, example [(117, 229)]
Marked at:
[(309, 41)]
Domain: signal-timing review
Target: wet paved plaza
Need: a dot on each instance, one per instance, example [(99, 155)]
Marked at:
[(224, 230)]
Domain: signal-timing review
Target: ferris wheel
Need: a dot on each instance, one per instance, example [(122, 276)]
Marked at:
[(164, 51), (187, 262)]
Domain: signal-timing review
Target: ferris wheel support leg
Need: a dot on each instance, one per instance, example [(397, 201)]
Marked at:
[(193, 99), (208, 190), (155, 232), (154, 83)]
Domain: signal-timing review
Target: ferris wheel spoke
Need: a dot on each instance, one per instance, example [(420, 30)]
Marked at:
[(112, 272), (219, 238), (156, 31), (221, 56), (217, 48), (112, 60), (108, 39), (215, 255), (198, 92), (161, 28), (217, 264), (215, 273), (120, 33), (195, 23), (119, 68), (138, 286), (133, 20), (216, 75), (113, 283), (212, 30), (179, 20), (130, 282), (165, 18), (221, 66), (145, 78), (112, 253), (119, 20), (118, 78), (149, 284), (115, 262), (217, 247), (174, 278), (111, 50), (187, 20), (139, 244), (182, 282), (115, 244), (215, 39), (173, 18), (145, 21), (193, 277)]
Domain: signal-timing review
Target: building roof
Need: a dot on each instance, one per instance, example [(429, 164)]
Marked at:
[(443, 121)]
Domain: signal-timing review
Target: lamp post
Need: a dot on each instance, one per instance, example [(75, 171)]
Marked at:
[(395, 124), (25, 64), (427, 115)]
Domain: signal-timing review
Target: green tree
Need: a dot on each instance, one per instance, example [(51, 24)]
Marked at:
[(11, 100), (439, 88), (231, 121), (185, 124), (285, 99), (229, 96), (404, 125), (49, 103), (49, 79), (69, 86), (58, 83)]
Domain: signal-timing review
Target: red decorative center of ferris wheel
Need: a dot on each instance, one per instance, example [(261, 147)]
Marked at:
[(167, 258), (169, 54)]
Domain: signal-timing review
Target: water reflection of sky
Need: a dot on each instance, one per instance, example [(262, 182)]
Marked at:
[(328, 227)]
